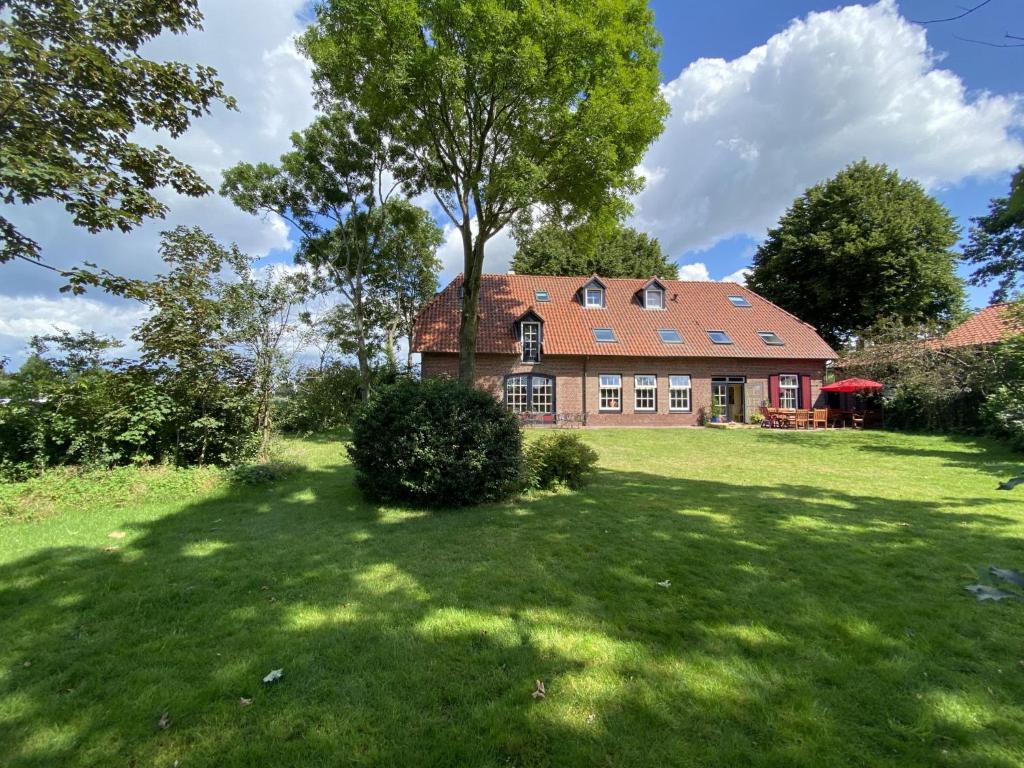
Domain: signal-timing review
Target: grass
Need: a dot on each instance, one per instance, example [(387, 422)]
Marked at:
[(816, 614)]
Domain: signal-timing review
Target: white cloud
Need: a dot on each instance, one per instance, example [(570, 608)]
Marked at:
[(746, 136), (26, 316), (252, 45), (739, 276), (697, 271), (498, 252)]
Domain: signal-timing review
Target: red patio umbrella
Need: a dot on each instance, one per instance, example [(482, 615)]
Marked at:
[(852, 385)]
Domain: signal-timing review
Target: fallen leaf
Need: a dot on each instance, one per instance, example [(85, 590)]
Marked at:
[(666, 583), (27, 664), (111, 548), (116, 535), (539, 692), (244, 702), (984, 592), (164, 722), (1014, 577), (273, 676)]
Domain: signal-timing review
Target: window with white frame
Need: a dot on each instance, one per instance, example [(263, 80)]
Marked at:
[(610, 391), (516, 393), (679, 393), (654, 298), (530, 393), (593, 297), (789, 388), (542, 394), (645, 388), (531, 341)]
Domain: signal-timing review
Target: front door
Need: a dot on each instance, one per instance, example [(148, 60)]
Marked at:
[(727, 397)]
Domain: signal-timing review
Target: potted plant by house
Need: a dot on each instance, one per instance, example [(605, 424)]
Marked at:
[(716, 414)]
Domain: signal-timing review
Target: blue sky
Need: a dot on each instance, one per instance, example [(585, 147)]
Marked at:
[(767, 97), (693, 30)]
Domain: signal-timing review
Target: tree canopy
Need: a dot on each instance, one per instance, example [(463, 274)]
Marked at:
[(862, 248), (607, 249), (73, 89), (496, 105), (996, 247)]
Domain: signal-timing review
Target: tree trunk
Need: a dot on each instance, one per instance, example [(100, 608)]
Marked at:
[(473, 257), (361, 356)]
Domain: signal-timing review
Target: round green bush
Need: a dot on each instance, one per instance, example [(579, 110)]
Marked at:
[(437, 443), (559, 458)]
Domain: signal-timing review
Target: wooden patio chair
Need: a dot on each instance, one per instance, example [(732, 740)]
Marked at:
[(857, 420), (769, 420), (820, 418), (802, 419)]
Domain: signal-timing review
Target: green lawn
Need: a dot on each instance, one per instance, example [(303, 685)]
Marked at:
[(816, 614)]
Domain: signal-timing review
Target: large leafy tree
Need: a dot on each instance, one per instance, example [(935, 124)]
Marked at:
[(609, 249), (862, 248), (497, 105), (73, 89), (996, 247), (331, 188)]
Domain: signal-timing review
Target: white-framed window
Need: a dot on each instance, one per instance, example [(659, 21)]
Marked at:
[(654, 298), (645, 389), (789, 389), (516, 393), (530, 393), (593, 297), (679, 393), (610, 391), (542, 394), (531, 341)]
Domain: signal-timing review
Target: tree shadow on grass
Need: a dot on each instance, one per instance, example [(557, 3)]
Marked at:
[(801, 627)]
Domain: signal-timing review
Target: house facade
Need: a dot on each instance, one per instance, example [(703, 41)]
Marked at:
[(605, 352)]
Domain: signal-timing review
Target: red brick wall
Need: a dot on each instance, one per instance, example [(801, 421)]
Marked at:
[(491, 371)]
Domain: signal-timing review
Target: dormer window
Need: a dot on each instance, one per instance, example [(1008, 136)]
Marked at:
[(530, 331), (592, 293), (531, 342), (652, 296)]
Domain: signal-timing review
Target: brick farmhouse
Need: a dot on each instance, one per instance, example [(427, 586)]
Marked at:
[(606, 352)]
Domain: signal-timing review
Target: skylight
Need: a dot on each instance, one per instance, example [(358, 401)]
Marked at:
[(768, 337), (739, 301), (541, 296), (604, 335), (719, 337), (670, 336)]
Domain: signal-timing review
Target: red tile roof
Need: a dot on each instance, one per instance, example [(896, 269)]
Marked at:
[(986, 326), (692, 308)]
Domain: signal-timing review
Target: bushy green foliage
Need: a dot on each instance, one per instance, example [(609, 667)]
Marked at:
[(861, 247), (264, 472), (436, 442), (1004, 411), (319, 400), (559, 458), (996, 246)]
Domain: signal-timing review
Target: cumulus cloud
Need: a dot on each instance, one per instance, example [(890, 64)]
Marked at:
[(252, 45), (746, 136), (26, 316)]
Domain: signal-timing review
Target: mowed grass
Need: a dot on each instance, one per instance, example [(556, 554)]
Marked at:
[(816, 615)]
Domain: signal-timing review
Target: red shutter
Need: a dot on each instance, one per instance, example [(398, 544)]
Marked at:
[(805, 392), (773, 390)]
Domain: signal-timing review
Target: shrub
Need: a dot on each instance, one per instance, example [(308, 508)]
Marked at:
[(264, 472), (1004, 412), (559, 457), (437, 443)]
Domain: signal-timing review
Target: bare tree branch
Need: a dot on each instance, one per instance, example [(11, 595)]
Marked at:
[(966, 12)]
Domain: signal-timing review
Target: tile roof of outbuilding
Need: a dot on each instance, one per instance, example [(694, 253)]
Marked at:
[(986, 326), (692, 308)]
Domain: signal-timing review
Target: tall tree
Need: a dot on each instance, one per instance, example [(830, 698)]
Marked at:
[(609, 249), (73, 89), (996, 247), (404, 276), (331, 188), (497, 105), (862, 248)]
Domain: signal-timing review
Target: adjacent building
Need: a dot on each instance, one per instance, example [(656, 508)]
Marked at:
[(605, 352)]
